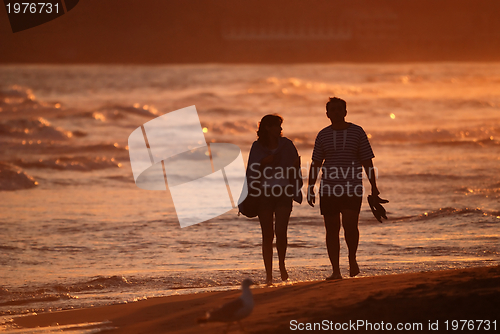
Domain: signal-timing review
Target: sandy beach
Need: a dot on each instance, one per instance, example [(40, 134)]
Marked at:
[(426, 298)]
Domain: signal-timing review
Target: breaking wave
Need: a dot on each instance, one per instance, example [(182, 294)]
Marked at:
[(40, 147), (20, 100), (38, 128), (12, 178), (70, 163), (480, 136), (136, 109), (450, 212), (235, 127)]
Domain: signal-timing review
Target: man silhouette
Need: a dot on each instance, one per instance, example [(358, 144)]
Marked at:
[(341, 151)]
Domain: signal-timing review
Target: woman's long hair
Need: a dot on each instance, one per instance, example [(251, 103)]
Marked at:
[(266, 121)]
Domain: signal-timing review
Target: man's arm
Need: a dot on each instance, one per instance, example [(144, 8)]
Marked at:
[(371, 173), (313, 176)]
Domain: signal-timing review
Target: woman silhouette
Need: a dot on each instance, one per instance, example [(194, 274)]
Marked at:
[(274, 176)]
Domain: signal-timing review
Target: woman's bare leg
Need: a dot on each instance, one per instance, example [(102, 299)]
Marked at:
[(266, 224), (282, 218)]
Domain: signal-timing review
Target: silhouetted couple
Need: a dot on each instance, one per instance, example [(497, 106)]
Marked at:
[(341, 151)]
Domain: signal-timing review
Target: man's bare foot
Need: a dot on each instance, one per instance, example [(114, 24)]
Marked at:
[(269, 281), (353, 268)]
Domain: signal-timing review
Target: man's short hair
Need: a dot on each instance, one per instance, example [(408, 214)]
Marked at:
[(336, 100)]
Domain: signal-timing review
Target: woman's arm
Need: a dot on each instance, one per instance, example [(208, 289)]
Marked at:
[(313, 176)]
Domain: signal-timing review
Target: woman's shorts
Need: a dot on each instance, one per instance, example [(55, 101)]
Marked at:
[(333, 205), (270, 202)]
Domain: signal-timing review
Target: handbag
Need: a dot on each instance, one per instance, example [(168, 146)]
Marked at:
[(249, 207)]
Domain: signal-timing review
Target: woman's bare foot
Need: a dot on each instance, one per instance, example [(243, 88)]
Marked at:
[(334, 276), (269, 281)]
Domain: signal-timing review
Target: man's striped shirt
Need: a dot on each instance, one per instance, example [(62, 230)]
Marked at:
[(341, 152)]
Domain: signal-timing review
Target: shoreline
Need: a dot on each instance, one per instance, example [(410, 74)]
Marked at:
[(435, 296)]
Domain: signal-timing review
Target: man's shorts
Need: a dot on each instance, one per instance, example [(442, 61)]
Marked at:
[(333, 205), (269, 201)]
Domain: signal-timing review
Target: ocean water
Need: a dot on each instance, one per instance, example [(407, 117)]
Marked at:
[(76, 231)]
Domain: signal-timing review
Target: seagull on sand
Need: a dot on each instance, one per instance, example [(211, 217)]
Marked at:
[(234, 310)]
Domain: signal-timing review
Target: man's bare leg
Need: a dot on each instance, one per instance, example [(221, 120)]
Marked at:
[(332, 226), (351, 233)]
